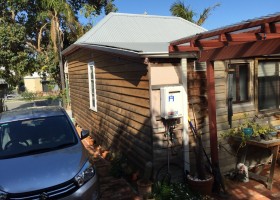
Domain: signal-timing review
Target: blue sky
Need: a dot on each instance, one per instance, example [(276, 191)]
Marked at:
[(230, 11)]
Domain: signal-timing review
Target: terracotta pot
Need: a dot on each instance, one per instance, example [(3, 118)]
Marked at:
[(144, 188), (201, 186), (90, 141), (105, 154)]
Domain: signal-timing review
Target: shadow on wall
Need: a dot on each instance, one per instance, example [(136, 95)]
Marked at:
[(130, 70), (117, 133)]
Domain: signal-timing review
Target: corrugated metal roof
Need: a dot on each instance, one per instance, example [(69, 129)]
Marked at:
[(140, 33)]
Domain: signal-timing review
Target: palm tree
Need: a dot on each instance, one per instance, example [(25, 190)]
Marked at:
[(179, 9)]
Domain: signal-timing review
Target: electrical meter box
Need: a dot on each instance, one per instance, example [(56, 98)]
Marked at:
[(171, 102)]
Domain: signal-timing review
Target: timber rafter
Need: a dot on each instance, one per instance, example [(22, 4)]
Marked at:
[(265, 28)]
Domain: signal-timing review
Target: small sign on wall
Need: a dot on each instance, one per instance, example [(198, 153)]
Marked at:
[(171, 102)]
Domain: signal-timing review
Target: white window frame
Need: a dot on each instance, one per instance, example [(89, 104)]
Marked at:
[(92, 94)]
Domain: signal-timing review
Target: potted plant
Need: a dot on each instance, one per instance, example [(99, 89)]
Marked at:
[(250, 130), (144, 185), (202, 180)]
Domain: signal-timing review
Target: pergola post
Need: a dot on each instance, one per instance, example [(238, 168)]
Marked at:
[(212, 112)]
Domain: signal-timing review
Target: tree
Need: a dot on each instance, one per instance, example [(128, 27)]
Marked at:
[(46, 27), (179, 9), (16, 59)]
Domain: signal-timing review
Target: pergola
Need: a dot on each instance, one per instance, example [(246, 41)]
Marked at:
[(252, 38)]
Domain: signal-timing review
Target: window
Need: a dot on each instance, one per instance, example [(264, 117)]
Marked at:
[(268, 85), (31, 136), (238, 82), (92, 86)]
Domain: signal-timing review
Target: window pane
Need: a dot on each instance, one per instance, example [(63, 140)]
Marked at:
[(240, 82), (91, 72), (268, 85), (92, 86), (232, 85), (268, 93), (243, 82), (93, 102)]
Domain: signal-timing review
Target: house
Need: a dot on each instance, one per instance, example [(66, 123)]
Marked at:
[(242, 63), (33, 83), (38, 83), (117, 73)]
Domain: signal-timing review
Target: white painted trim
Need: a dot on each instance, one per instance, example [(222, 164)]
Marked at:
[(92, 107), (184, 73)]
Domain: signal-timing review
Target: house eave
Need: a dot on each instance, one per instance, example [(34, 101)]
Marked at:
[(109, 49), (128, 52), (168, 55)]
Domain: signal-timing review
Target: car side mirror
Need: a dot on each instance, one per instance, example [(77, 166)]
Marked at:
[(84, 134)]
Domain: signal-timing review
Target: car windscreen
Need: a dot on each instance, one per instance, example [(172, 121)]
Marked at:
[(31, 136)]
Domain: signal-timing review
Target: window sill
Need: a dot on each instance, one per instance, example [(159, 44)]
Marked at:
[(268, 113), (93, 109), (241, 107)]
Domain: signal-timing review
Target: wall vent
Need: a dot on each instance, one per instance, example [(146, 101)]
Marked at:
[(199, 66)]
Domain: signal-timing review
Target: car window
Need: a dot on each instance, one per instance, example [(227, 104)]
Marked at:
[(31, 136)]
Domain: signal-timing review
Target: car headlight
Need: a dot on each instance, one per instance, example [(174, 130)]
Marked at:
[(86, 173), (3, 195)]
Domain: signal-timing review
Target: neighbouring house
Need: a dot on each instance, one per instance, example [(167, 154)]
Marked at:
[(33, 83), (38, 83), (119, 71), (243, 70)]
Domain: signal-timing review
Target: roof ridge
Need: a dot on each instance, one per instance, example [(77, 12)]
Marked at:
[(95, 28), (131, 31)]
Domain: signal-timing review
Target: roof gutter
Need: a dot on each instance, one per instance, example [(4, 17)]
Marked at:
[(168, 55), (114, 50), (128, 52)]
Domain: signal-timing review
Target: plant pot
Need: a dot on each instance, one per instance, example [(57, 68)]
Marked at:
[(201, 186), (248, 132), (273, 133), (144, 188)]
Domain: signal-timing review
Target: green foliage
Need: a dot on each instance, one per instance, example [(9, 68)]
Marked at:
[(32, 33), (174, 191), (179, 9), (16, 59), (30, 96), (258, 129)]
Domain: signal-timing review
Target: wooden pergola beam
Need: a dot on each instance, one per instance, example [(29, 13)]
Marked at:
[(246, 50), (224, 40), (242, 26), (182, 48)]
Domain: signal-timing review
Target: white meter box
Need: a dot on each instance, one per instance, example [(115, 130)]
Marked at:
[(171, 102)]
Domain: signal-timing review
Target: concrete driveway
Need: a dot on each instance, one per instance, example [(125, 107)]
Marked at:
[(16, 104)]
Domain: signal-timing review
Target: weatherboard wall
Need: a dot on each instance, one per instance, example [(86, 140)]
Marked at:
[(122, 121), (227, 147), (128, 105), (166, 72)]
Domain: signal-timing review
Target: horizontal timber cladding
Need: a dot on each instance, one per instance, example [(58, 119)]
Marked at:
[(122, 121), (228, 149), (227, 154)]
